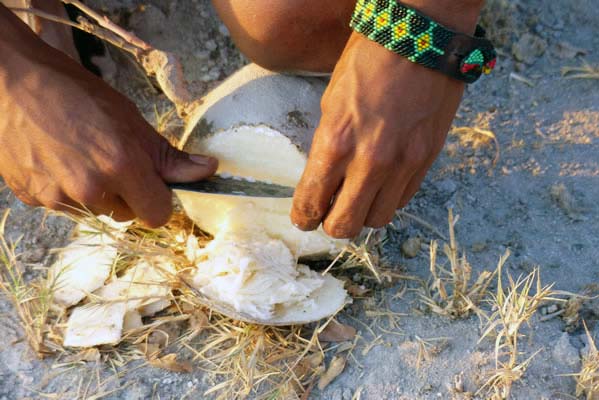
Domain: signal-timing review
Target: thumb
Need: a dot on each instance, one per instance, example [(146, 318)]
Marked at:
[(177, 166)]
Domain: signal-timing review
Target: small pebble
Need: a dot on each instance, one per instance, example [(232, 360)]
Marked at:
[(411, 247), (565, 353), (550, 309), (347, 394), (211, 45), (223, 30)]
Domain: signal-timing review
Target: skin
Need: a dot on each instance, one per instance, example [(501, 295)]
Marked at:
[(73, 140), (384, 119)]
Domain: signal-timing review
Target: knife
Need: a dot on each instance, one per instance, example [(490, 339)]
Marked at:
[(235, 187)]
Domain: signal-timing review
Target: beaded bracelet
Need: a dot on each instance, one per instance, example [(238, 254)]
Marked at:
[(409, 33)]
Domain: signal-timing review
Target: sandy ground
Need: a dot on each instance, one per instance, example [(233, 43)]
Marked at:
[(548, 133)]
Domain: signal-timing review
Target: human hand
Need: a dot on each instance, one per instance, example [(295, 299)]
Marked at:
[(68, 139), (384, 121)]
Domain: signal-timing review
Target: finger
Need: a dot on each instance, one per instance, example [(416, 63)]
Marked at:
[(26, 198), (54, 198), (384, 205), (416, 180), (120, 211), (314, 193), (90, 194), (412, 187), (114, 207), (173, 165), (146, 194), (352, 203), (177, 166)]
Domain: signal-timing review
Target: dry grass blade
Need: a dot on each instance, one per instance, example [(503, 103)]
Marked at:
[(254, 359), (587, 380), (586, 71), (335, 368), (361, 254), (170, 363), (513, 307), (499, 385), (32, 300), (450, 291), (420, 221)]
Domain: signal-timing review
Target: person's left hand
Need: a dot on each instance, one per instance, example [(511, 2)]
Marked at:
[(385, 120)]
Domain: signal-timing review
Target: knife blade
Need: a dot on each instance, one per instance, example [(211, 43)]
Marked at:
[(235, 187)]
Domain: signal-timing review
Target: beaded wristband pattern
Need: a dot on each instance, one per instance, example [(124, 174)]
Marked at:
[(409, 33)]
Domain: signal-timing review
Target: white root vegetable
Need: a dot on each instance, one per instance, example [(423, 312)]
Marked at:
[(95, 324), (260, 126), (84, 265), (132, 320), (259, 276), (141, 291)]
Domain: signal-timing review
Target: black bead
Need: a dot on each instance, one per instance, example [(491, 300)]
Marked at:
[(418, 25)]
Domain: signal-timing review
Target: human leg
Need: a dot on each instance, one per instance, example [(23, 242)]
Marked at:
[(307, 35)]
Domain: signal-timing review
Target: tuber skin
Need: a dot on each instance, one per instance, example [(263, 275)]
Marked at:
[(384, 119), (68, 139)]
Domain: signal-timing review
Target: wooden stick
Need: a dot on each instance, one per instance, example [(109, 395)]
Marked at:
[(107, 24)]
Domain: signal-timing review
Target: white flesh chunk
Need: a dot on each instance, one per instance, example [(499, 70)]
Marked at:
[(94, 325), (132, 320), (143, 288), (259, 276), (82, 267), (140, 292), (256, 152)]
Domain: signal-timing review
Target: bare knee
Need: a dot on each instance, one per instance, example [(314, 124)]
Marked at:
[(300, 35)]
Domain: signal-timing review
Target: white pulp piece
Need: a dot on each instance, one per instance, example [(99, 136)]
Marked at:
[(120, 304)]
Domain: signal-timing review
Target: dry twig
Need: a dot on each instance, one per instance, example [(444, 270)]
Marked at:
[(586, 71), (164, 66)]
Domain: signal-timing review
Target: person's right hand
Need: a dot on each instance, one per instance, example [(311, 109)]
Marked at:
[(68, 139)]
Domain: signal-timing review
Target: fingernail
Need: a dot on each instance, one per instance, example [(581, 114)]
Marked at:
[(306, 227), (200, 160)]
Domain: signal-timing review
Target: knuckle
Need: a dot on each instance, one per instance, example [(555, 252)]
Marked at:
[(335, 143), (335, 149), (53, 199), (118, 164), (88, 194), (380, 161)]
